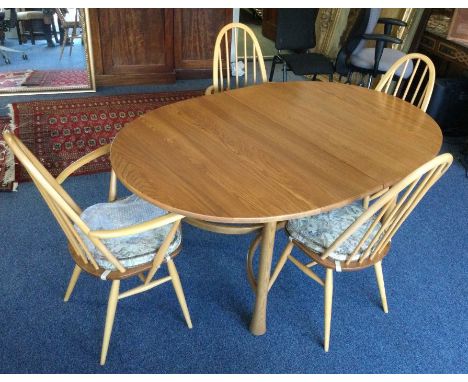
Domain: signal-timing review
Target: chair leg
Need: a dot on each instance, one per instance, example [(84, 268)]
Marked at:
[(33, 39), (72, 38), (281, 263), (18, 31), (111, 307), (179, 291), (272, 70), (65, 37), (369, 81), (71, 285), (380, 283), (328, 298), (285, 72), (330, 77)]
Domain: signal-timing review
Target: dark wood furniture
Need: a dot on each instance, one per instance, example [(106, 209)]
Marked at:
[(269, 21), (144, 46), (450, 57)]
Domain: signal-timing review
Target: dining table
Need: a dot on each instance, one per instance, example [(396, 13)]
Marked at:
[(268, 153)]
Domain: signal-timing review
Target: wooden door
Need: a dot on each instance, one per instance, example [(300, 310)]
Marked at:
[(195, 32), (133, 46)]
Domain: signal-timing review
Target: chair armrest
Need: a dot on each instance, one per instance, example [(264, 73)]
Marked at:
[(390, 21), (382, 37), (209, 90), (137, 228), (104, 150)]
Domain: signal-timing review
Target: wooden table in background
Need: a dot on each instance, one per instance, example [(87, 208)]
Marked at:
[(272, 152)]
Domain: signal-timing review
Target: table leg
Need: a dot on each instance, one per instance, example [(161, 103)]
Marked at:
[(258, 324)]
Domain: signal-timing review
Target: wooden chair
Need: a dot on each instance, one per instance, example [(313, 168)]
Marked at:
[(100, 242), (420, 94), (226, 59), (69, 29), (359, 237), (401, 69)]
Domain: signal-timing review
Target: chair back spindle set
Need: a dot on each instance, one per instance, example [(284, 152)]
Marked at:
[(226, 61)]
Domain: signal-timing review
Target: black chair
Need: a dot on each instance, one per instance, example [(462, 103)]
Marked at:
[(354, 57), (296, 32)]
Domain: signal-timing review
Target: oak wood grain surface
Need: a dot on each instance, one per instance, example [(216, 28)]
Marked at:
[(272, 152)]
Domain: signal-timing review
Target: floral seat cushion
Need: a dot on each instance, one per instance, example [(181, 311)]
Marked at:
[(132, 250), (319, 232)]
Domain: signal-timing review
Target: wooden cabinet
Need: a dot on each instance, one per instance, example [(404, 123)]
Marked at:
[(269, 21), (195, 32), (147, 46)]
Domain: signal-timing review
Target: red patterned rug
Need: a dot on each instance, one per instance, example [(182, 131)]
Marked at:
[(7, 161), (11, 80), (61, 131), (58, 78)]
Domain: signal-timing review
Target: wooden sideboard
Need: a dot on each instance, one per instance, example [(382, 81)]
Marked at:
[(154, 45)]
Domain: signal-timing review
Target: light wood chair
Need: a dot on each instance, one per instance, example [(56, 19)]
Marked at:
[(70, 29), (419, 92), (226, 59), (90, 248), (361, 237), (224, 55)]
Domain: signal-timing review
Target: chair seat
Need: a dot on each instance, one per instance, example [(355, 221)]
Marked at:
[(365, 60), (29, 15), (132, 250), (319, 232), (310, 63)]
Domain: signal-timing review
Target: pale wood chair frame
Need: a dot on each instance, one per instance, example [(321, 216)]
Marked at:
[(391, 210), (218, 73), (67, 213), (426, 92), (67, 26)]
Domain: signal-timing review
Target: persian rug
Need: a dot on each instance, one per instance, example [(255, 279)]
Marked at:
[(59, 132), (58, 78), (7, 160), (11, 80)]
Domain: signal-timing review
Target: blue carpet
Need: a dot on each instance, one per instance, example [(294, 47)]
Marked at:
[(426, 330), (41, 57)]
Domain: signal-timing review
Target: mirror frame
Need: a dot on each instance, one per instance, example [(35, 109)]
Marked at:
[(89, 58)]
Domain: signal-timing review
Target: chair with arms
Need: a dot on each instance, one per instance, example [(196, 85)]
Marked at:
[(226, 59), (296, 32), (114, 240), (352, 238), (355, 57)]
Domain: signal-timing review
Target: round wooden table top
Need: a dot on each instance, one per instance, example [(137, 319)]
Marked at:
[(272, 152)]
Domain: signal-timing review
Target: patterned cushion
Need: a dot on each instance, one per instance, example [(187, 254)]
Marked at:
[(131, 250), (319, 232)]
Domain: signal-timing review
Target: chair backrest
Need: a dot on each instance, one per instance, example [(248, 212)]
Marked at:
[(419, 92), (63, 207), (295, 28), (60, 15), (390, 211), (223, 51), (365, 23), (372, 17)]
